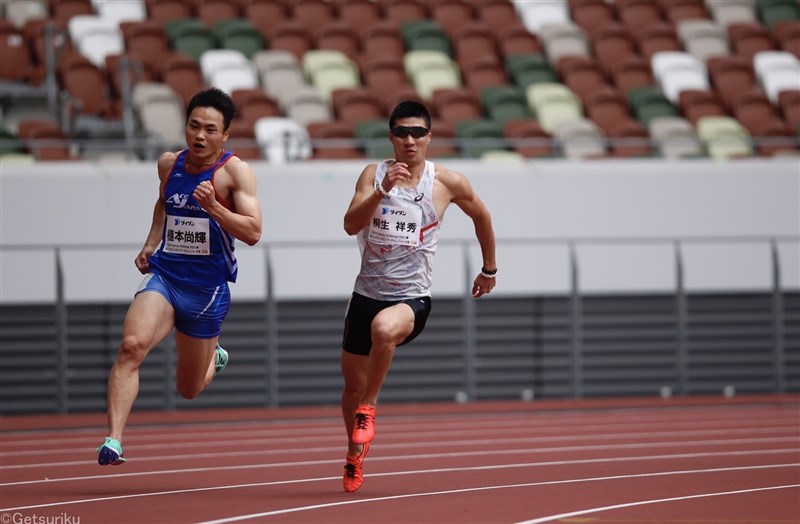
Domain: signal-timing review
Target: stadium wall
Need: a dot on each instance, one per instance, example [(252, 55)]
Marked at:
[(620, 219)]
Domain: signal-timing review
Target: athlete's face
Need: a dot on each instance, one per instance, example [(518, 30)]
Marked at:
[(410, 138), (204, 133)]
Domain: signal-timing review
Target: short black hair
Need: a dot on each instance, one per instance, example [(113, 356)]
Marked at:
[(410, 109), (216, 98)]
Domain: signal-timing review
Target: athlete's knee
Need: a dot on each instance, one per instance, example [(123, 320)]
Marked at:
[(385, 331), (188, 391), (132, 350)]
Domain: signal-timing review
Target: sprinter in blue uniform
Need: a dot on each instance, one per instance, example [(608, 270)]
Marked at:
[(207, 199)]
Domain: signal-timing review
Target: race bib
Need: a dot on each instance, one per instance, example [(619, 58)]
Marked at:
[(396, 225), (187, 236)]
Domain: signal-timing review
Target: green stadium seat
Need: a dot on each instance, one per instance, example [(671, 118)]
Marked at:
[(420, 35), (480, 136), (504, 103)]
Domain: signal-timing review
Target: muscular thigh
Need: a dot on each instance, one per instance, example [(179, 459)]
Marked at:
[(150, 318)]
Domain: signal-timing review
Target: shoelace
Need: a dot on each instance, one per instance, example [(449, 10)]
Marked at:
[(362, 421), (350, 470)]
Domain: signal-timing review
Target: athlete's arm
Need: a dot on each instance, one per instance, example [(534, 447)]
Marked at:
[(465, 198), (245, 222), (364, 202), (153, 239)]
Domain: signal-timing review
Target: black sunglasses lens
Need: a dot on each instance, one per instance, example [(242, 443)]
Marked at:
[(415, 131)]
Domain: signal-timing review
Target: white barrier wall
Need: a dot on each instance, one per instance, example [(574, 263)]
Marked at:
[(100, 214)]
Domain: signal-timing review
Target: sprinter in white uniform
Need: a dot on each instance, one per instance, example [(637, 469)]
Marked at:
[(396, 213)]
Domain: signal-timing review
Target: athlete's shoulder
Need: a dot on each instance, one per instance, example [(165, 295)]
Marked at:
[(166, 161)]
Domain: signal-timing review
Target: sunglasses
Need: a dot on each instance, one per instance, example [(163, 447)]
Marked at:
[(414, 131)]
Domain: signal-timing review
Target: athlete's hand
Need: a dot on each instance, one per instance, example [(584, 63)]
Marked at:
[(482, 285), (204, 195), (398, 172), (142, 260)]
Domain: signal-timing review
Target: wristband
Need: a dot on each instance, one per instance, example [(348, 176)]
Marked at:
[(379, 187), (489, 273)]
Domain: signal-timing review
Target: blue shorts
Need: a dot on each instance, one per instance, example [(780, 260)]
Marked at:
[(199, 311)]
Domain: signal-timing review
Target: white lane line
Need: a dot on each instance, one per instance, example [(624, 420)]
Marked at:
[(417, 442), (551, 518), (489, 488), (420, 472), (482, 453)]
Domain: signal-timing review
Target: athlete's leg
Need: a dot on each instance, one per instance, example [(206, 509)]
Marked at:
[(195, 369), (149, 319), (389, 328), (354, 371)]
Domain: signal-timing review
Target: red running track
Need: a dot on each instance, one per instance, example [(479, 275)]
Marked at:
[(698, 460)]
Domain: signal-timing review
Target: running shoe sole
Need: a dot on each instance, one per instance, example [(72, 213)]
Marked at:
[(110, 453)]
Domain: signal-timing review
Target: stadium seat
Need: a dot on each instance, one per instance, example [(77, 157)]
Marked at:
[(452, 15), (281, 72), (231, 76), (312, 13), (787, 36), (382, 73), (583, 75), (351, 105), (611, 44), (773, 12), (789, 102), (482, 72), (290, 36), (476, 137), (516, 39), (591, 14), (527, 69), (214, 59), (607, 108), (505, 102), (401, 11), (474, 42), (632, 72), (190, 37), (338, 36), (703, 39), (44, 140), (17, 64), (211, 12), (563, 39), (775, 138), (183, 75), (636, 15), (776, 71), (630, 139), (382, 39), (238, 34), (95, 37), (676, 71), (147, 39), (660, 36), (329, 70), (443, 144), (754, 110), (553, 104), (333, 140), (728, 12), (649, 102), (252, 104), (429, 70), (730, 76), (497, 14), (454, 105), (162, 11), (19, 12), (373, 135), (160, 112), (242, 140), (359, 13), (265, 15), (64, 10), (121, 10), (724, 137), (677, 11), (580, 139), (134, 66), (86, 84), (307, 105), (403, 92), (675, 137), (425, 35), (282, 140), (747, 39), (526, 137), (695, 104), (536, 15)]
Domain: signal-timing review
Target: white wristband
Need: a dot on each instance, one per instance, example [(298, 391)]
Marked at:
[(487, 275)]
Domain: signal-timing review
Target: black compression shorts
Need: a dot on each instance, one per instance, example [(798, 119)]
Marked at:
[(362, 310)]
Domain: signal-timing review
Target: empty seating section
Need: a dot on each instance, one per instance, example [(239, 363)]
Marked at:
[(317, 79)]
